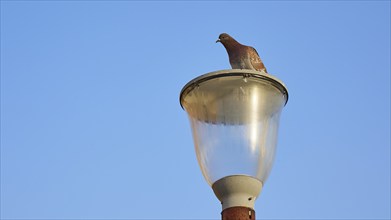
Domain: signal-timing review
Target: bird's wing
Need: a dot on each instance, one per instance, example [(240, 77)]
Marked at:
[(256, 61)]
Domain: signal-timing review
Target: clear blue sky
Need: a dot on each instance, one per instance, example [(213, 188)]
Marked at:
[(91, 125)]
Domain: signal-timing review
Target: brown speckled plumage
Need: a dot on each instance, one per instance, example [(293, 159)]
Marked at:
[(241, 56)]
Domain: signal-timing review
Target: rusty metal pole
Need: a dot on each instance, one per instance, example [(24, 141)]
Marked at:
[(238, 213)]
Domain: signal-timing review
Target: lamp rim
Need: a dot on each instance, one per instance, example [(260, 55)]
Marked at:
[(234, 72)]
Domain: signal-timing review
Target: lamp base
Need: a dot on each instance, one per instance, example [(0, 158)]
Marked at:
[(238, 213), (237, 191)]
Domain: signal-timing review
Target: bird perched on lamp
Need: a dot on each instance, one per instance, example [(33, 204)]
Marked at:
[(241, 56)]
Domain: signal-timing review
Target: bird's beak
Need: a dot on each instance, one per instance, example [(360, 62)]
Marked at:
[(218, 40)]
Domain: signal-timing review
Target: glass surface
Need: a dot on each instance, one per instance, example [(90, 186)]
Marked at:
[(234, 123)]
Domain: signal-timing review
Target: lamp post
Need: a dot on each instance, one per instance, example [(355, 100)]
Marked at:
[(234, 116)]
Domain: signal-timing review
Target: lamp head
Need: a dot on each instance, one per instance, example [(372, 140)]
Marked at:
[(234, 116)]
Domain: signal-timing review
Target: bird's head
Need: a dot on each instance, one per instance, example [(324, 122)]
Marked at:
[(223, 38)]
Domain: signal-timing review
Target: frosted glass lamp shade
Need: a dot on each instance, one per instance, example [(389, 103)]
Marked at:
[(234, 116)]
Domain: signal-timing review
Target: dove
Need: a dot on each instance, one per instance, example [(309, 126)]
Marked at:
[(241, 56)]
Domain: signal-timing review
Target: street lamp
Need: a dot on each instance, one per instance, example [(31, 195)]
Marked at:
[(234, 116)]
